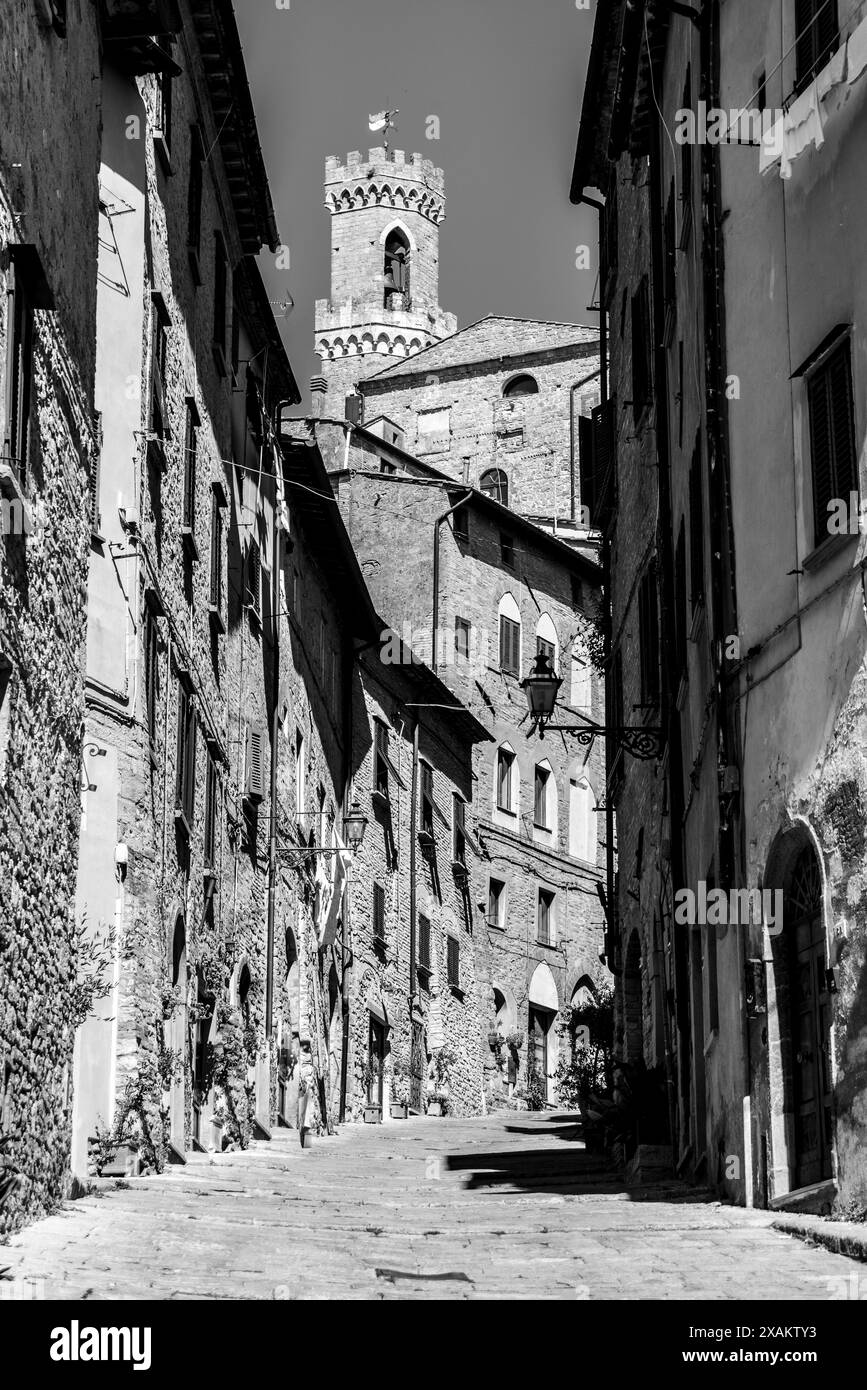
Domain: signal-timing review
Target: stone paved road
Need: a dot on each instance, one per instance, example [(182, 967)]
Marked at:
[(505, 1207)]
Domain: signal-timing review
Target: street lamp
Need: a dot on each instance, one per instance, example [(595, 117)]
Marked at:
[(354, 826), (541, 688)]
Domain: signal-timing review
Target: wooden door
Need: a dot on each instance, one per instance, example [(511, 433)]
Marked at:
[(810, 1025)]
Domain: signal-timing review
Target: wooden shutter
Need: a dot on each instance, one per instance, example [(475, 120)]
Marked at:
[(603, 418), (459, 811), (453, 962), (423, 941), (587, 467), (254, 785), (254, 577), (842, 422), (817, 29), (379, 911), (510, 646)]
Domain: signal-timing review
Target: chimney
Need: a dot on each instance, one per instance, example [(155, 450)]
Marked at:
[(318, 387)]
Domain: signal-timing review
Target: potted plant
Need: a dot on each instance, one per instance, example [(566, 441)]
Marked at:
[(516, 1039), (399, 1107), (372, 1108)]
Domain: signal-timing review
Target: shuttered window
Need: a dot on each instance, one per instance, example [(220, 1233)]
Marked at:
[(510, 646), (427, 801), (254, 786), (505, 763), (423, 942), (832, 435), (453, 962), (210, 812), (459, 834), (379, 911), (194, 190), (818, 31), (185, 766)]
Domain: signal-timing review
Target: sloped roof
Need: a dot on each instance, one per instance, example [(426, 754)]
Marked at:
[(489, 339)]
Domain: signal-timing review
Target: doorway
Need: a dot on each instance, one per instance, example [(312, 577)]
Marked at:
[(178, 1039), (810, 1023), (540, 1024), (376, 1054)]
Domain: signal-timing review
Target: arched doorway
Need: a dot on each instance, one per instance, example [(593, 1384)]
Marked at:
[(804, 1001), (541, 1033), (177, 1039)]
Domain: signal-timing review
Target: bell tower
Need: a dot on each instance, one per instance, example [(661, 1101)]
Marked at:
[(386, 212)]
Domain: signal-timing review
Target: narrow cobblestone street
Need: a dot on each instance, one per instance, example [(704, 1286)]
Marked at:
[(506, 1207)]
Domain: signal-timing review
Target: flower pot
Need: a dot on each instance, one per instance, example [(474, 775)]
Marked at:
[(398, 1110), (372, 1114), (516, 1040)]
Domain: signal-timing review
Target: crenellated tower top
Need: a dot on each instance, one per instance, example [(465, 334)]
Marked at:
[(386, 211)]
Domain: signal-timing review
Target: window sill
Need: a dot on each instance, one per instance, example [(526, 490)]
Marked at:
[(826, 550), (505, 811), (547, 945)]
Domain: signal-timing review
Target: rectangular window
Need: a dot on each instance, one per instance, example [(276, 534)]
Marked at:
[(818, 35), (300, 777), (696, 528), (505, 780), (211, 789), (151, 672), (648, 623), (832, 435), (547, 650), (462, 637), (159, 342), (459, 832), (427, 802), (185, 767), (545, 918), (540, 798), (510, 646), (191, 451), (453, 962), (19, 370), (641, 364), (163, 101), (379, 911), (380, 758), (194, 190), (219, 327), (253, 581), (423, 941), (507, 550), (216, 589), (496, 903)]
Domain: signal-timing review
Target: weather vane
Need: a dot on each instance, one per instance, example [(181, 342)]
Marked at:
[(383, 120)]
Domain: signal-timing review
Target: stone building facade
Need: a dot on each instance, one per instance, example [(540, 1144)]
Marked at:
[(49, 443), (761, 637)]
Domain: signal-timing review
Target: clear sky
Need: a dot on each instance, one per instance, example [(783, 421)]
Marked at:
[(504, 77)]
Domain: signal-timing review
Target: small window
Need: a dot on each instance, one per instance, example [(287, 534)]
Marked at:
[(510, 646), (462, 637), (388, 469), (496, 903), (545, 918), (211, 791), (151, 673), (191, 450), (505, 780), (818, 35), (235, 349), (427, 799), (381, 762), (220, 288), (548, 650), (453, 962), (541, 791), (423, 941), (459, 829), (507, 550), (379, 911), (523, 385), (494, 483), (832, 435), (185, 766)]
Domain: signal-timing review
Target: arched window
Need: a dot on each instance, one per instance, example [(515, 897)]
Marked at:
[(510, 635), (546, 640), (544, 798), (396, 271), (524, 385), (494, 483), (506, 780)]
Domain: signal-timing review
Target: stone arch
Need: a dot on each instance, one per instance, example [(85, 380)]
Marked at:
[(367, 342), (337, 347), (397, 224), (547, 632), (352, 348), (543, 988), (382, 344), (800, 1074), (399, 347), (521, 384), (542, 1037), (415, 345), (360, 196)]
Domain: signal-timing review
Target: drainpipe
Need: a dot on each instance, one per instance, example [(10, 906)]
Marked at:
[(436, 578), (413, 827), (272, 830), (349, 657)]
